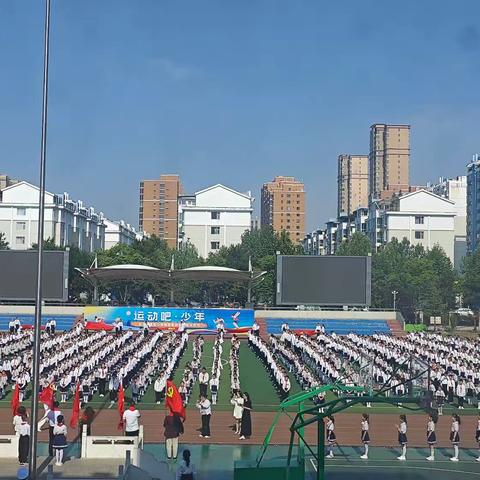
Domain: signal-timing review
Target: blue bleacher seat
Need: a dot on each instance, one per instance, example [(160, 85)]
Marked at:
[(340, 327)]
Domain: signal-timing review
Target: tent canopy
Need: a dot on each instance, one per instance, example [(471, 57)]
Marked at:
[(146, 273)]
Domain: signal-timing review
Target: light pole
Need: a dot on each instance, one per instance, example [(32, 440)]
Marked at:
[(394, 293), (32, 466)]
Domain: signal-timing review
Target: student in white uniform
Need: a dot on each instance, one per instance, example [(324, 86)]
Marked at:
[(214, 389), (455, 436), (331, 437), (365, 435), (237, 402), (431, 437), (402, 436), (440, 399)]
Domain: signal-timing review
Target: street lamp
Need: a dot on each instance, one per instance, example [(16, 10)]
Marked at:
[(394, 293)]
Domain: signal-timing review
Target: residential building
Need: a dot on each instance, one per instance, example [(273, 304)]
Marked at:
[(158, 213), (314, 242), (6, 181), (214, 217), (118, 233), (283, 206), (352, 183), (360, 220), (421, 217), (67, 222), (455, 189), (331, 237), (473, 203), (345, 228), (389, 160)]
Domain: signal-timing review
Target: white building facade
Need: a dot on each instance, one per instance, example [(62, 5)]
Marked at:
[(423, 218), (314, 242), (117, 233), (213, 218), (455, 189), (67, 223)]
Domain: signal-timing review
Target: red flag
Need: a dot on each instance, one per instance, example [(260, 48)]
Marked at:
[(15, 403), (174, 400), (47, 396), (121, 405), (75, 407)]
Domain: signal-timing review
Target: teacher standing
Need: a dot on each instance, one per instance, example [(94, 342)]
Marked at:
[(246, 423)]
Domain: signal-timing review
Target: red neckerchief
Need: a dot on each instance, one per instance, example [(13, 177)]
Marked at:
[(132, 408)]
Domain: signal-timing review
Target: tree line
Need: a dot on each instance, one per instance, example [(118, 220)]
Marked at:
[(425, 280)]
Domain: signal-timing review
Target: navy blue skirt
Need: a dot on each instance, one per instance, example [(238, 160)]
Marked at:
[(331, 437), (431, 438), (365, 436), (59, 441), (402, 438)]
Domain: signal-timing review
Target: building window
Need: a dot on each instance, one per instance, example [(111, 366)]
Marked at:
[(419, 220), (21, 226), (20, 240), (215, 215), (21, 212), (215, 230), (419, 235), (214, 245)]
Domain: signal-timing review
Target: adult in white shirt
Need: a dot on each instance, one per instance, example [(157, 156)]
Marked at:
[(159, 388), (237, 402), (205, 407), (203, 379), (130, 417)]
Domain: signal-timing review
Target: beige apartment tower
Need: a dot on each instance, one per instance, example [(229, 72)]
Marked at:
[(352, 183), (389, 160), (283, 206), (159, 208)]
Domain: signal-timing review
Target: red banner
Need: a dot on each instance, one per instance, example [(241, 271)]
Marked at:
[(174, 400), (75, 408), (15, 403), (121, 405)]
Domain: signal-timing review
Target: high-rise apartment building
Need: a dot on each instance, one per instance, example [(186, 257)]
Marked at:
[(352, 183), (159, 208), (283, 206), (473, 204), (389, 160)]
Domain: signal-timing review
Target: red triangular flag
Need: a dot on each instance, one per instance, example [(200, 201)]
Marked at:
[(75, 407), (47, 396), (174, 400), (121, 405), (15, 403)]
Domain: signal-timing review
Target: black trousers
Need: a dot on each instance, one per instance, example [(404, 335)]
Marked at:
[(101, 386), (206, 425), (203, 389), (23, 448), (132, 434)]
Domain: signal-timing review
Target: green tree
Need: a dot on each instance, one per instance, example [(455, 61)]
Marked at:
[(3, 242), (470, 283), (358, 245)]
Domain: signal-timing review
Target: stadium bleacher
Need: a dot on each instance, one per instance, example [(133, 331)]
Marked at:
[(64, 322), (340, 327)]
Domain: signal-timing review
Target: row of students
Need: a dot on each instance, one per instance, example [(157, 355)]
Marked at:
[(277, 372), (402, 431)]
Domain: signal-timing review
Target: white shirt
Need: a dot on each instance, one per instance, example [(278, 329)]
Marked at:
[(131, 420), (184, 470), (203, 377), (205, 407)]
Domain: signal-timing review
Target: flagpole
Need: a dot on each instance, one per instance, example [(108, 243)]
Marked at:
[(32, 466)]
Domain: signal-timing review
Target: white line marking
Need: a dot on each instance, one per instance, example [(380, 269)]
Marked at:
[(313, 464)]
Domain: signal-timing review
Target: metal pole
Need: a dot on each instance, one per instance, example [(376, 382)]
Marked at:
[(41, 214), (320, 449)]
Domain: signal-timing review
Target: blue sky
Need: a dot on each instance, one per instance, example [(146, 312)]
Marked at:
[(234, 92)]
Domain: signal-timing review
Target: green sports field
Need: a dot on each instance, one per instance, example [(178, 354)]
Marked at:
[(254, 379)]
